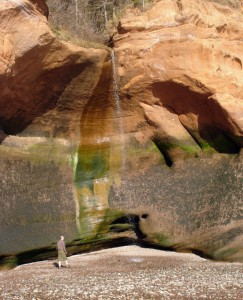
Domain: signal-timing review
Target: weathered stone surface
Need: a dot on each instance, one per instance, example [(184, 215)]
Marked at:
[(186, 56), (181, 62), (32, 59), (44, 86), (41, 6), (144, 146), (37, 202)]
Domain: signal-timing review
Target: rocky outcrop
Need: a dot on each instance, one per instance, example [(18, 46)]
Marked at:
[(32, 59), (143, 145), (185, 57), (180, 66), (41, 6), (45, 84)]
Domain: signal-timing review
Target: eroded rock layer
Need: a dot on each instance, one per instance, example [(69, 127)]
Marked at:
[(45, 84), (180, 66), (141, 143)]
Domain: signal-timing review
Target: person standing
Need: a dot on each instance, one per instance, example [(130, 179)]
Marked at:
[(62, 252)]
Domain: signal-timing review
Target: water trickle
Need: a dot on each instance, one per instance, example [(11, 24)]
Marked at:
[(118, 110)]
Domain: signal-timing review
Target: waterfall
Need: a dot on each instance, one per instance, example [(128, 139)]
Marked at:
[(116, 93), (129, 217), (118, 110)]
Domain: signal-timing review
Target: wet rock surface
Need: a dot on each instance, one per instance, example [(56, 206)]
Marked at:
[(127, 272)]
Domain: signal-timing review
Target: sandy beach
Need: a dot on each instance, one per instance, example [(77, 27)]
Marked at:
[(128, 272)]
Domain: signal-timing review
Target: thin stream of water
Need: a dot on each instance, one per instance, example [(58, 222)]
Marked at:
[(118, 110), (120, 123)]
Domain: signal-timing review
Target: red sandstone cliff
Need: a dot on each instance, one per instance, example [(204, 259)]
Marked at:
[(75, 157), (181, 61), (36, 68)]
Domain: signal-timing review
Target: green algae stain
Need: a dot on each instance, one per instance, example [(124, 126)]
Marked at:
[(206, 147), (93, 163), (95, 225), (92, 186), (135, 148), (109, 216), (162, 239), (73, 161), (45, 152), (98, 170), (225, 255), (190, 149), (8, 262), (42, 153)]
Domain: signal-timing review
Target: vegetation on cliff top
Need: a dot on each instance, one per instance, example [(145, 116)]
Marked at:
[(89, 20), (95, 20)]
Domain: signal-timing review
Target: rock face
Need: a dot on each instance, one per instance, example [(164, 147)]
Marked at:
[(186, 58), (31, 60), (45, 84), (142, 144), (181, 63)]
